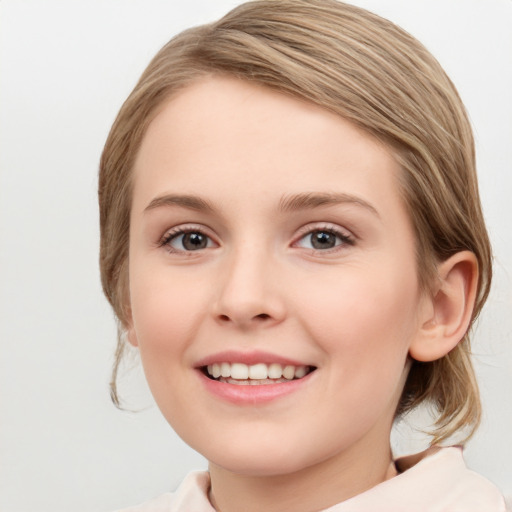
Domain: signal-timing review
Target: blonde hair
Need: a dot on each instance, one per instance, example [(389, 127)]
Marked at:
[(370, 72)]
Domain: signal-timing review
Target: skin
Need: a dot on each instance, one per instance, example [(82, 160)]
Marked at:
[(352, 311)]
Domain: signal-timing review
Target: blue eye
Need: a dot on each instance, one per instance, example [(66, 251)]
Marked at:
[(323, 239), (188, 241)]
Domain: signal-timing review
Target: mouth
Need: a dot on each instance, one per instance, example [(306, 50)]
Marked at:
[(255, 375)]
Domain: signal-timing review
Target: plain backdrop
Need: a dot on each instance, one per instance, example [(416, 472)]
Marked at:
[(65, 68)]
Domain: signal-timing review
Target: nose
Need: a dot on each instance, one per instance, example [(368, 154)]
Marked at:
[(250, 294)]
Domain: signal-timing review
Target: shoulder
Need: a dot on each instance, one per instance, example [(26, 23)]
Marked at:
[(436, 479), (442, 473), (160, 504), (192, 494)]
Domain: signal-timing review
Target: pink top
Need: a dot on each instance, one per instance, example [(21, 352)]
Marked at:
[(434, 481)]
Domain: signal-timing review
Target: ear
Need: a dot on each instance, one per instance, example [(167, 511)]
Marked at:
[(131, 336), (130, 333), (448, 313)]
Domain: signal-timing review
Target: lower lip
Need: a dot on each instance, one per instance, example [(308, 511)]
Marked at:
[(249, 394)]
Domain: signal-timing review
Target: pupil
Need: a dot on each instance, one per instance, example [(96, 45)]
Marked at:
[(194, 241), (323, 240)]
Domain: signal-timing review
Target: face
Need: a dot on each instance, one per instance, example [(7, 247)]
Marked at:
[(273, 281)]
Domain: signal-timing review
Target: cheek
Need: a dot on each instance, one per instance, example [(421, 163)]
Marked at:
[(364, 321), (165, 315)]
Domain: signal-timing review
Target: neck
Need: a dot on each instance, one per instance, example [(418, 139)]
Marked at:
[(314, 488)]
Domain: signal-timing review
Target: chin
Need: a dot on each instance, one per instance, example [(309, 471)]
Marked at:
[(257, 466), (260, 460)]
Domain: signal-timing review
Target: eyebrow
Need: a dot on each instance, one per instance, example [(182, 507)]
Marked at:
[(289, 203), (185, 201), (312, 200)]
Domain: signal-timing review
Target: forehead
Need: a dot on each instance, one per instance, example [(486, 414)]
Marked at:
[(225, 136)]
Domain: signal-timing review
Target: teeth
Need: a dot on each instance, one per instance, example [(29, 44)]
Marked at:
[(275, 371), (289, 372), (257, 372), (300, 372), (225, 370), (239, 371), (216, 370)]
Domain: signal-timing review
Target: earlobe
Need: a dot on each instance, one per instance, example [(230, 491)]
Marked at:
[(131, 336), (450, 309), (129, 330)]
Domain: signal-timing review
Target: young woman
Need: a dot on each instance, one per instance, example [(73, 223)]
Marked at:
[(291, 234)]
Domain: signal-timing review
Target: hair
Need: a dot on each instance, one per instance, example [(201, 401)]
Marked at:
[(373, 74)]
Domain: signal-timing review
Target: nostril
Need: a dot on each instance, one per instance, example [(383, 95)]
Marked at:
[(243, 319)]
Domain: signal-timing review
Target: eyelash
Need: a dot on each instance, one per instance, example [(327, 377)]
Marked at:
[(309, 230), (179, 231), (345, 238)]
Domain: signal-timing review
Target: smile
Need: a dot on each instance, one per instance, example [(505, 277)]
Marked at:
[(256, 374)]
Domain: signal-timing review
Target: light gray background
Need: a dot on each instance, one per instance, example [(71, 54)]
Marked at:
[(66, 67)]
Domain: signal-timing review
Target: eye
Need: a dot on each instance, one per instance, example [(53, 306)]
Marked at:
[(324, 239), (187, 240)]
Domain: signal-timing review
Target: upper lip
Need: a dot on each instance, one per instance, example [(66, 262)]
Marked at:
[(248, 358)]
